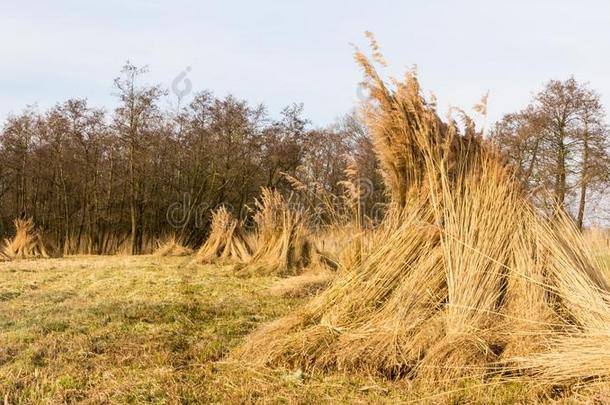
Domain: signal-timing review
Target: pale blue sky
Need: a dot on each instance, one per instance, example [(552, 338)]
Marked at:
[(278, 52)]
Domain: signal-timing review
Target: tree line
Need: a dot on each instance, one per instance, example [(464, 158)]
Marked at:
[(95, 180)]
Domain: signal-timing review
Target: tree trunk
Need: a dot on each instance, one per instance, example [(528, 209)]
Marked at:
[(560, 176), (584, 178), (133, 208)]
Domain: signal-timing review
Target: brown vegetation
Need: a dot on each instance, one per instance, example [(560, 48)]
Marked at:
[(309, 283), (464, 278), (106, 243), (102, 182), (172, 246), (283, 244), (27, 242), (226, 242)]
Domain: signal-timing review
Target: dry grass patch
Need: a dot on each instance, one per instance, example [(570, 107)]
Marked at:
[(226, 242), (306, 284), (27, 242), (121, 329), (283, 244), (147, 329), (171, 246), (106, 243)]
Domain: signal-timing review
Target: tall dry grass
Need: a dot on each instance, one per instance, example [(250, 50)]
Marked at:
[(337, 230), (226, 243), (104, 243), (172, 245), (462, 278), (283, 244), (27, 242)]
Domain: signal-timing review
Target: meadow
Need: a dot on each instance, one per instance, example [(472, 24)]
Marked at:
[(71, 335)]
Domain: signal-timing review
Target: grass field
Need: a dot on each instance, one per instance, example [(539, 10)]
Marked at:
[(157, 330)]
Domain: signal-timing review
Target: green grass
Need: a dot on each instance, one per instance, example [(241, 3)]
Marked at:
[(155, 330)]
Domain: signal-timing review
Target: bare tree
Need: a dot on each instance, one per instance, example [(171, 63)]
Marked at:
[(594, 159), (135, 119), (560, 103), (558, 144), (98, 182)]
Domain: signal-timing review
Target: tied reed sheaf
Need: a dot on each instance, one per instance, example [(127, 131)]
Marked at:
[(27, 242), (283, 244), (463, 277), (226, 242)]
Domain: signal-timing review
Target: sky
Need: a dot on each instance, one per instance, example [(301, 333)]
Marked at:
[(280, 52)]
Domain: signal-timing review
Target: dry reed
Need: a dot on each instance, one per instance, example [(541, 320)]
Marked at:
[(27, 242), (226, 242), (172, 246), (106, 243), (310, 282), (463, 278), (282, 239)]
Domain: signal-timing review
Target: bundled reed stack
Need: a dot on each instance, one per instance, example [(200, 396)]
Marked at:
[(282, 239), (463, 277), (340, 225), (226, 243), (172, 247), (329, 248), (27, 242)]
